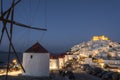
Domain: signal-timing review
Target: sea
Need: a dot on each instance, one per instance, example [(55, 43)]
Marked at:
[(4, 57)]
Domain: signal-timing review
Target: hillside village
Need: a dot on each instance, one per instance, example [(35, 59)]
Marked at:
[(99, 51), (100, 47)]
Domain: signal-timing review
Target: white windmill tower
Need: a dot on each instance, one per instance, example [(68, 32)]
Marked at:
[(36, 61)]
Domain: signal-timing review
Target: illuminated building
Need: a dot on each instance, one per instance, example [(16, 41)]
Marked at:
[(95, 38)]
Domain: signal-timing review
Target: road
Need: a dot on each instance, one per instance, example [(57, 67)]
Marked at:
[(79, 75)]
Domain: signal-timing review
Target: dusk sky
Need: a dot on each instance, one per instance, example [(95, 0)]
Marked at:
[(69, 22)]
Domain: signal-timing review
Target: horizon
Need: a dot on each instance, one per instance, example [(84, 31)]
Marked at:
[(92, 38)]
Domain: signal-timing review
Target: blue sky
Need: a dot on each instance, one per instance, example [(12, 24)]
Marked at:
[(69, 22)]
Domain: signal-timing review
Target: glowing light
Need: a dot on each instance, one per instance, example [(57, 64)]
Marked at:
[(102, 65), (13, 73), (2, 71), (118, 70), (14, 61), (100, 61), (95, 38)]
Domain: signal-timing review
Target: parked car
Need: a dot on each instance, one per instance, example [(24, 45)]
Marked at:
[(115, 76), (107, 76), (96, 71), (62, 72), (102, 73), (70, 75), (83, 67), (89, 70)]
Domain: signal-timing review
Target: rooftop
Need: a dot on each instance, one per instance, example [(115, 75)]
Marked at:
[(37, 48)]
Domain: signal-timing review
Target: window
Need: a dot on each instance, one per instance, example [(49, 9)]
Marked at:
[(31, 56)]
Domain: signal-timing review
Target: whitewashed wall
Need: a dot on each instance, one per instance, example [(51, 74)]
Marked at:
[(112, 62), (36, 64), (54, 64), (88, 60), (66, 58), (61, 63), (69, 57)]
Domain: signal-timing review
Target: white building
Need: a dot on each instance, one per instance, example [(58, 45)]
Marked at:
[(61, 61), (70, 57), (112, 62), (54, 63), (88, 61), (36, 61)]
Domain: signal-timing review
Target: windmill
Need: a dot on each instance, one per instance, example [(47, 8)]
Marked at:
[(7, 17)]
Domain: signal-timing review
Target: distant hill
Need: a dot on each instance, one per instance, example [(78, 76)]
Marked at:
[(4, 56), (3, 52), (98, 48)]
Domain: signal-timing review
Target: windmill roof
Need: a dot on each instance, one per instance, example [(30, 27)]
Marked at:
[(37, 48)]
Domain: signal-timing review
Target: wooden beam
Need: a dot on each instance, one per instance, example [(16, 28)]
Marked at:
[(11, 28), (4, 25), (22, 25), (13, 48), (4, 13)]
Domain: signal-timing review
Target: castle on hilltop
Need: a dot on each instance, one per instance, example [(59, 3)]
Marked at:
[(95, 38)]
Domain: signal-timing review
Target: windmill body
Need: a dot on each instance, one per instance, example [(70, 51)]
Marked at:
[(36, 61)]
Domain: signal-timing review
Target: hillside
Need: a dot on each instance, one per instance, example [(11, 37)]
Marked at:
[(98, 48)]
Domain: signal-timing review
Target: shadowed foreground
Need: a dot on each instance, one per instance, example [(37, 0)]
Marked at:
[(79, 75), (23, 78)]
